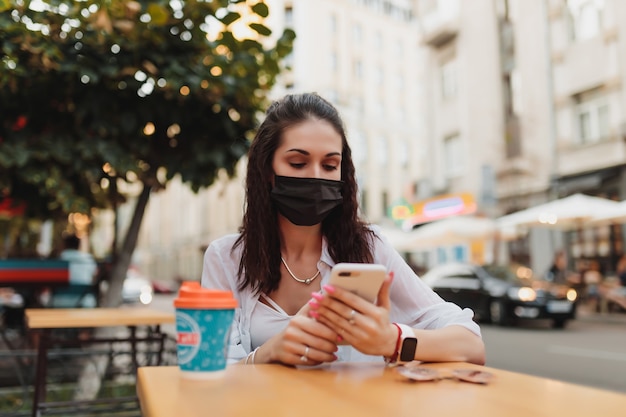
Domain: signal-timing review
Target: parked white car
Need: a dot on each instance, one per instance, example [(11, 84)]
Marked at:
[(137, 288)]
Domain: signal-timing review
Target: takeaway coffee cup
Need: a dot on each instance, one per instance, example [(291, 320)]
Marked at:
[(203, 320)]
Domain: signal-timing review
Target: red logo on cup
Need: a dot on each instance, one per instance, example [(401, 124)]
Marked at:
[(188, 339)]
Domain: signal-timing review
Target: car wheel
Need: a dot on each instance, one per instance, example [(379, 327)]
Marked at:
[(497, 313), (559, 323)]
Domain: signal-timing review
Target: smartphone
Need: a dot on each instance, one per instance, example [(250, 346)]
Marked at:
[(364, 280)]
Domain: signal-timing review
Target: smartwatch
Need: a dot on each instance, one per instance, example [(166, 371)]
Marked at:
[(405, 347)]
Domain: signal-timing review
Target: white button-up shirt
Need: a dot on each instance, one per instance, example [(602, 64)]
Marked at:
[(412, 302)]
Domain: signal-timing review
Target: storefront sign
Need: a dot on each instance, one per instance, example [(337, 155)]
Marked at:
[(439, 208)]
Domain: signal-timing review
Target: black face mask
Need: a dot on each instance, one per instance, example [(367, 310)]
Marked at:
[(306, 201)]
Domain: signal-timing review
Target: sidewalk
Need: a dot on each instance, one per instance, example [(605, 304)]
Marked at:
[(609, 318)]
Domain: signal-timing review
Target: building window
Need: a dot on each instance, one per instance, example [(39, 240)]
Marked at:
[(289, 17), (333, 23), (402, 153), (428, 6), (288, 60), (363, 192), (453, 156), (442, 256), (358, 145), (399, 47), (357, 34), (378, 108), (359, 105), (358, 69), (516, 92), (333, 61), (448, 79), (378, 76), (381, 150), (378, 40), (592, 117), (385, 201), (401, 115), (585, 18), (333, 96), (399, 81)]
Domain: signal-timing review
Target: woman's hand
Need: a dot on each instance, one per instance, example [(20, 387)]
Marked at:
[(360, 323), (305, 341)]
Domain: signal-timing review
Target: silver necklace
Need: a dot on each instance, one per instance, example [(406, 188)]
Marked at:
[(304, 281)]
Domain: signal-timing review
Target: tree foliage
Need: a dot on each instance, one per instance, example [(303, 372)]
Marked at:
[(97, 92)]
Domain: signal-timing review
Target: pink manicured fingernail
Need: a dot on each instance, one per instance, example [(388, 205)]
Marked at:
[(317, 296), (329, 288), (339, 338), (314, 303), (314, 314)]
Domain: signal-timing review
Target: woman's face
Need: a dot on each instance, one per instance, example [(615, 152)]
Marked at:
[(310, 149)]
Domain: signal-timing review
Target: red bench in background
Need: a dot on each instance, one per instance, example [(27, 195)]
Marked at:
[(33, 277), (27, 272)]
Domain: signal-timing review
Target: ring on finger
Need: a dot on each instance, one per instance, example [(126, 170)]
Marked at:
[(352, 318), (305, 357)]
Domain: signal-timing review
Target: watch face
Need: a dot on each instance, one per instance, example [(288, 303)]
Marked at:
[(407, 352)]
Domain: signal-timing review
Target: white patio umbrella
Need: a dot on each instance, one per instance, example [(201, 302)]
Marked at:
[(396, 236), (617, 215), (567, 213), (448, 231)]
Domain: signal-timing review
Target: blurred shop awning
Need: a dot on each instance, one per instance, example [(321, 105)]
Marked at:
[(567, 213), (454, 230), (616, 215)]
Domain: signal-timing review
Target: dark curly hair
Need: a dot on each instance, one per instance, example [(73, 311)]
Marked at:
[(349, 238)]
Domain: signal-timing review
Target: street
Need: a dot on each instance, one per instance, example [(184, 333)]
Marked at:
[(587, 352)]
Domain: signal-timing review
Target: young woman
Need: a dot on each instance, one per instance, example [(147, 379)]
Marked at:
[(301, 218)]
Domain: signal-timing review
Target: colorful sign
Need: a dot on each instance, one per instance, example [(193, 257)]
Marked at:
[(440, 207), (401, 210)]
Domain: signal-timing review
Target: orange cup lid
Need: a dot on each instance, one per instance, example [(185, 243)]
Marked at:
[(192, 295)]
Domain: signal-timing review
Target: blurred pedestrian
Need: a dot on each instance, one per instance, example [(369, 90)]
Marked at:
[(83, 267), (558, 272), (11, 308), (82, 270), (592, 280), (617, 294)]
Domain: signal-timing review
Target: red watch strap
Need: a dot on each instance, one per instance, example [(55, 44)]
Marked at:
[(396, 351)]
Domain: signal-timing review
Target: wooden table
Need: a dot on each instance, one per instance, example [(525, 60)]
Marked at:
[(64, 318), (363, 390), (45, 321)]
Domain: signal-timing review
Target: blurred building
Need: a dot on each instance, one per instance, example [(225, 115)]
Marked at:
[(587, 54), (578, 134), (509, 102), (179, 224), (361, 55)]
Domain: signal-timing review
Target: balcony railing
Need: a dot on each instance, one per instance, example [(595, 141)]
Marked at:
[(441, 25)]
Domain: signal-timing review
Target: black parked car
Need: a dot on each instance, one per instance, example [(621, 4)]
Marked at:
[(503, 294)]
